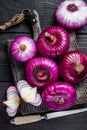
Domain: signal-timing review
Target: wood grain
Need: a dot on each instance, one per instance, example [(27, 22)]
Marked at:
[(46, 11)]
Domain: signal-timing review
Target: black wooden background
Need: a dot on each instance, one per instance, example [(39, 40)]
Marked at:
[(46, 9)]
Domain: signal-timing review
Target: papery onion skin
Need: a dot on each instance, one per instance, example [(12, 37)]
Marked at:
[(74, 18), (59, 96), (23, 48), (47, 68), (58, 47), (73, 67)]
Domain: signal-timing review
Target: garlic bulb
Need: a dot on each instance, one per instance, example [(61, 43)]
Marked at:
[(12, 101), (29, 94)]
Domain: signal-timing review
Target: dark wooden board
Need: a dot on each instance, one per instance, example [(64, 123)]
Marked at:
[(46, 11)]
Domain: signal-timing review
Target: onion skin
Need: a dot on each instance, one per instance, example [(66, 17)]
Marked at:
[(72, 17), (54, 48), (23, 49), (59, 96), (41, 64), (73, 67)]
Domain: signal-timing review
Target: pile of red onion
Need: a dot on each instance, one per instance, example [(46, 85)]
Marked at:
[(42, 71)]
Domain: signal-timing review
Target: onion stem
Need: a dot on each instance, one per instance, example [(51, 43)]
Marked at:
[(72, 7), (60, 100), (52, 38)]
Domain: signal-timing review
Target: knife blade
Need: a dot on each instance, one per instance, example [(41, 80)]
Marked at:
[(34, 118)]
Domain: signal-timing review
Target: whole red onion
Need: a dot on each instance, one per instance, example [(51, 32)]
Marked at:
[(41, 71), (23, 49), (59, 96), (53, 41), (73, 67), (72, 14)]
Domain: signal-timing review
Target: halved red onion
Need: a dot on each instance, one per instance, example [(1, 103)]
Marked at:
[(13, 101), (53, 41), (72, 14), (23, 48), (41, 71), (59, 96), (73, 67), (28, 94)]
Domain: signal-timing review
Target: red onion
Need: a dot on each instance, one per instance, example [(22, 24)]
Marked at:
[(53, 41), (41, 71), (12, 102), (72, 14), (28, 94), (23, 49), (73, 67), (59, 96)]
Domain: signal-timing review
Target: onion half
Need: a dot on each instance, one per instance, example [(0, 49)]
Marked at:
[(28, 94), (13, 101)]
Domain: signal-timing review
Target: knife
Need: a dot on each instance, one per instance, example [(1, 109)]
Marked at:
[(35, 118)]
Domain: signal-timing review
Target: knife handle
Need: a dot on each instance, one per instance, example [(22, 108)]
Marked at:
[(25, 119)]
